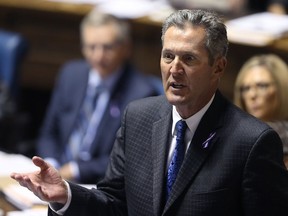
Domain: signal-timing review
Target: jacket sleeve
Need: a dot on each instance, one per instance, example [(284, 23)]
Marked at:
[(109, 198), (265, 178)]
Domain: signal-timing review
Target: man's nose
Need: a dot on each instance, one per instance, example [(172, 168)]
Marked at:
[(176, 66), (98, 53)]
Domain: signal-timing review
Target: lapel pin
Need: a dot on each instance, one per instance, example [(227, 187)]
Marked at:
[(206, 143)]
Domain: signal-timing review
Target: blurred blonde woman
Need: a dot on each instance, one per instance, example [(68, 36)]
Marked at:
[(261, 89)]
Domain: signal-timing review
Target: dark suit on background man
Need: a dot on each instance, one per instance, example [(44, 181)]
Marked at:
[(63, 111), (205, 186), (89, 98)]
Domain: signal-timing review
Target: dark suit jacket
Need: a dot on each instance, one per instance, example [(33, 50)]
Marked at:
[(239, 171), (64, 107)]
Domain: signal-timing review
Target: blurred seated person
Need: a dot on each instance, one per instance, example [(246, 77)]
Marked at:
[(77, 136), (261, 89), (273, 6)]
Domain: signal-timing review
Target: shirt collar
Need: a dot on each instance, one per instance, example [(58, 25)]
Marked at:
[(108, 83), (192, 121)]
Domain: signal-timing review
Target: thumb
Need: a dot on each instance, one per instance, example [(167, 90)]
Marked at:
[(39, 162)]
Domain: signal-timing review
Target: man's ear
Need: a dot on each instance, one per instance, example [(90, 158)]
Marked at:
[(220, 65)]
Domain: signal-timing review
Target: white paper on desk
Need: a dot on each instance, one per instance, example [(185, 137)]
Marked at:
[(259, 28), (15, 163), (21, 197), (131, 8), (29, 212)]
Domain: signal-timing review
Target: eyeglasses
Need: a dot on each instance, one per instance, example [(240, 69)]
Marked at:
[(260, 88)]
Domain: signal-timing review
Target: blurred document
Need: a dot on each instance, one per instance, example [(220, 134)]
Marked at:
[(30, 212), (132, 8), (258, 29), (129, 9), (15, 163), (21, 197)]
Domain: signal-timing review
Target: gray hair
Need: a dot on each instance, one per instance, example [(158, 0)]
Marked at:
[(216, 35), (97, 18)]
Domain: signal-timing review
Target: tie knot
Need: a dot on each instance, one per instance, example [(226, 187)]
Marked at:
[(181, 127)]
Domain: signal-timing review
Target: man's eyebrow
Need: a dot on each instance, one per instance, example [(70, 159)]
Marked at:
[(166, 50)]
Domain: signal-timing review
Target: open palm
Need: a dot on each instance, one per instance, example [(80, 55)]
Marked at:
[(47, 184)]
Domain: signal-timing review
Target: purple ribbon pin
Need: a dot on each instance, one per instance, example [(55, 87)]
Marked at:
[(205, 144)]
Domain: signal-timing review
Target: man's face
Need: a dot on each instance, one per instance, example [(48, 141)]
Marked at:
[(188, 78), (102, 48)]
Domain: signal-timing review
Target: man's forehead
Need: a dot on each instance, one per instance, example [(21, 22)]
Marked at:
[(184, 37)]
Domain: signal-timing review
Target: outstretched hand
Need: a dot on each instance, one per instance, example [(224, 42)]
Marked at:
[(47, 184)]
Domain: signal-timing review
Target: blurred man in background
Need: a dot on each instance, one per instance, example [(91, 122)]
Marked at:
[(89, 98)]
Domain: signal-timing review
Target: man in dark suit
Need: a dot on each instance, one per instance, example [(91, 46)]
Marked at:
[(233, 163), (106, 48)]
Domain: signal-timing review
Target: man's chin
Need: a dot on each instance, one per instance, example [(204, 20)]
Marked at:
[(105, 72), (175, 99)]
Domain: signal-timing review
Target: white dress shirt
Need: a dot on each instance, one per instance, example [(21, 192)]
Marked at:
[(192, 123)]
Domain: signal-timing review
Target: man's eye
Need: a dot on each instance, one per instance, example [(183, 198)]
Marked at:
[(188, 59), (168, 57)]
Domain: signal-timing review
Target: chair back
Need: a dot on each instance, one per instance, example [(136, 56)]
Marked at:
[(13, 48)]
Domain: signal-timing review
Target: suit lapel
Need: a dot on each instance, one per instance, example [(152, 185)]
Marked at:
[(160, 139), (78, 98), (204, 140)]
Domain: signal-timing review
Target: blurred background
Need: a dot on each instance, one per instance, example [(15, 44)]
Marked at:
[(50, 30)]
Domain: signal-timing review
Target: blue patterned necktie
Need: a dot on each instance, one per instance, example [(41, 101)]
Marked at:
[(177, 157)]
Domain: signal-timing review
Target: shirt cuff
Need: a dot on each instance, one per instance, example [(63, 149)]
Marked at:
[(55, 207)]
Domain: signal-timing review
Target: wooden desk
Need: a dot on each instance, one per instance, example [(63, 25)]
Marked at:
[(4, 204), (47, 6)]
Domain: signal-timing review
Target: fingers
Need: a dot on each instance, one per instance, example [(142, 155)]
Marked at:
[(17, 176), (25, 181), (22, 179), (13, 175), (38, 161)]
